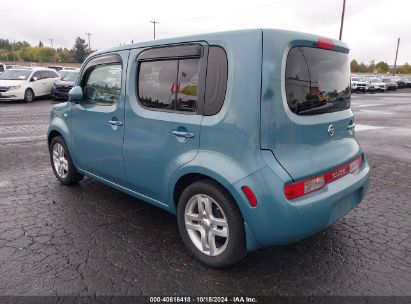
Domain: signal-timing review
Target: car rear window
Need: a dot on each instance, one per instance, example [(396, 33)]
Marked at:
[(317, 81)]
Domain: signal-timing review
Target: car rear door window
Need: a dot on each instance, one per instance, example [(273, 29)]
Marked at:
[(317, 81), (157, 83), (187, 85), (52, 74), (44, 74)]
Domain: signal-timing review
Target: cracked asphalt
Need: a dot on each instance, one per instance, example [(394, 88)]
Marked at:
[(90, 239)]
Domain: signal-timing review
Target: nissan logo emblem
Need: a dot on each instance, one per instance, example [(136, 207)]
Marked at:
[(331, 130)]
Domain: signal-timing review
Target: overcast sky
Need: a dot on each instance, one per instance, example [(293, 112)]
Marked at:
[(371, 26)]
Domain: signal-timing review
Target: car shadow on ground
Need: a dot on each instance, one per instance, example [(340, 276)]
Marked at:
[(131, 225)]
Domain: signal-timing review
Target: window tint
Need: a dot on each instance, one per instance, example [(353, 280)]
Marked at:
[(1, 68), (52, 74), (157, 83), (216, 82), (103, 84), (44, 74), (37, 74), (317, 81), (187, 88)]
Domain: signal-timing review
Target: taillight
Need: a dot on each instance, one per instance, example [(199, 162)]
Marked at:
[(300, 188), (355, 164), (325, 44), (312, 184)]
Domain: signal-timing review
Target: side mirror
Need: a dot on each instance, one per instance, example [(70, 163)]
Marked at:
[(33, 79), (76, 94)]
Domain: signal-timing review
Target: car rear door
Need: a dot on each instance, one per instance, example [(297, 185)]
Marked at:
[(306, 118), (163, 115)]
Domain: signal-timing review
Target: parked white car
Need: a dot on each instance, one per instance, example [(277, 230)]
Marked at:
[(358, 85), (378, 84), (26, 83), (4, 67)]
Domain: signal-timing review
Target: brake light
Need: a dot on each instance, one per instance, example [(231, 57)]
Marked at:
[(313, 184), (300, 188), (252, 200), (325, 44)]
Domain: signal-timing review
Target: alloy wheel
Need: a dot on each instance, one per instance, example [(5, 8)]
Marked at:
[(206, 225), (59, 160)]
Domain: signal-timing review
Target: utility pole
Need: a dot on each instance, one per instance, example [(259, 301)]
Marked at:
[(396, 55), (51, 42), (342, 20), (154, 23), (89, 46)]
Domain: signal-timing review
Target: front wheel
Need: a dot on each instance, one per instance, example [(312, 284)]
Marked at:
[(63, 166), (28, 95), (211, 225)]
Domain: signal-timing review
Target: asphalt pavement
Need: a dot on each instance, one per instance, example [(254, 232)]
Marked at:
[(90, 239)]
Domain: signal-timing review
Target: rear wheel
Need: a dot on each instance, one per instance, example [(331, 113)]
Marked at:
[(211, 225), (63, 166), (28, 95)]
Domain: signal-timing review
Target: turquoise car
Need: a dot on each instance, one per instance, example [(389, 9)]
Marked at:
[(247, 136)]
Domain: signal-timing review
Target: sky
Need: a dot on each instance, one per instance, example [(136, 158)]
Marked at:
[(371, 27)]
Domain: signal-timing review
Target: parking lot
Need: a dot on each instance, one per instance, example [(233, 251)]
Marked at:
[(90, 239)]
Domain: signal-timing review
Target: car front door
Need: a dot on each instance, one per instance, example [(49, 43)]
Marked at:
[(163, 116), (97, 127)]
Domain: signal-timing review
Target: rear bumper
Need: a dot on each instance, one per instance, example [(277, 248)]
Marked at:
[(278, 221)]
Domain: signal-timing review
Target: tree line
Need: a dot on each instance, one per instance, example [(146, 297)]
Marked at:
[(380, 67), (24, 51)]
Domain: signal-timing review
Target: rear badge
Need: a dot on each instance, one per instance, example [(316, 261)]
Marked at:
[(331, 130)]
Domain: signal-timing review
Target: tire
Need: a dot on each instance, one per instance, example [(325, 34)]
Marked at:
[(28, 95), (61, 162), (227, 250)]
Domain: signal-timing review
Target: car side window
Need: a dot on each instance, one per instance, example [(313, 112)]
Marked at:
[(37, 75), (217, 73), (169, 84), (52, 74), (157, 83), (103, 84), (187, 85), (44, 74)]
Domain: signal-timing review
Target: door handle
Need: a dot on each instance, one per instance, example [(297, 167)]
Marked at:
[(115, 123), (183, 134), (351, 126)]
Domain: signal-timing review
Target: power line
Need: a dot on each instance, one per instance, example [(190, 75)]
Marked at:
[(89, 46), (154, 23)]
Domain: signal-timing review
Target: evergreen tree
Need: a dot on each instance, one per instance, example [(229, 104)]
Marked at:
[(80, 50)]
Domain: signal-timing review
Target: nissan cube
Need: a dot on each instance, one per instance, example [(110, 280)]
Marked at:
[(247, 136)]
